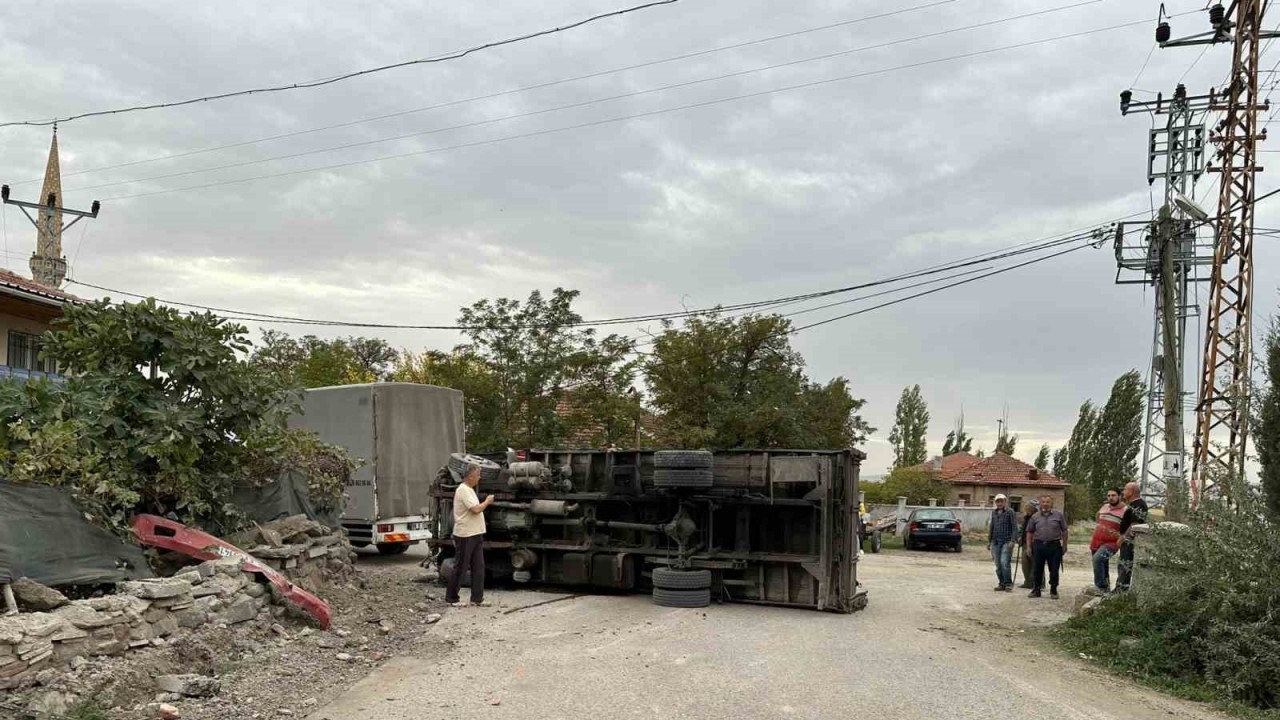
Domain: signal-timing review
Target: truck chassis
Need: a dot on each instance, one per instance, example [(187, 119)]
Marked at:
[(776, 527)]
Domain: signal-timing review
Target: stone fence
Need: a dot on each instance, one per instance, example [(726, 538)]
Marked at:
[(142, 613)]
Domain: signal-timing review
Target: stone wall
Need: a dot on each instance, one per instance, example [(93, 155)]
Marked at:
[(307, 552), (140, 614)]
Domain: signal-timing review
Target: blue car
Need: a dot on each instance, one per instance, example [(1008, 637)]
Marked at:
[(932, 526)]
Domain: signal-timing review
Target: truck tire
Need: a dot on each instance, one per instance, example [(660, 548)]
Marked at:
[(682, 477), (669, 579), (393, 548), (683, 459), (875, 541), (461, 462), (681, 598)]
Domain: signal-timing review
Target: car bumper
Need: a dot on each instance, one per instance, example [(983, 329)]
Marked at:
[(939, 537)]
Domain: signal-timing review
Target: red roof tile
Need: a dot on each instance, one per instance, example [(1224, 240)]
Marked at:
[(27, 285), (1001, 469), (950, 464)]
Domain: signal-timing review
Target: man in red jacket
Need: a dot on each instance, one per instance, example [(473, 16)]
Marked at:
[(1106, 539)]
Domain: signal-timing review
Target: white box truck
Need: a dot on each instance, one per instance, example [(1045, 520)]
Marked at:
[(403, 433)]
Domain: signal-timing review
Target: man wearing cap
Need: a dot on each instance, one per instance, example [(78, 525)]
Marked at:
[(1028, 568), (1000, 535), (468, 539)]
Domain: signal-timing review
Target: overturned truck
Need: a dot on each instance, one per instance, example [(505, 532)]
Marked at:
[(776, 527)]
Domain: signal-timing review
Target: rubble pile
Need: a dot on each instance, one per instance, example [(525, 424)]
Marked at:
[(307, 552), (142, 613)]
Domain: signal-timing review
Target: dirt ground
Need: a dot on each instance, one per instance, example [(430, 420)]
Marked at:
[(935, 641)]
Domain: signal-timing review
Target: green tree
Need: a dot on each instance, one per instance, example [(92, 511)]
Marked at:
[(1042, 458), (311, 361), (1077, 463), (957, 440), (157, 415), (910, 428), (736, 382), (1267, 420), (916, 484), (1060, 462), (536, 351), (1118, 438)]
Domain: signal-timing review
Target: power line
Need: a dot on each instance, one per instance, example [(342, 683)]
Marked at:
[(347, 76), (502, 93), (584, 103), (634, 116), (936, 290), (1013, 251)]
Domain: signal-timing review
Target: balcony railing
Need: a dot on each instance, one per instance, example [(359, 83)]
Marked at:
[(23, 375)]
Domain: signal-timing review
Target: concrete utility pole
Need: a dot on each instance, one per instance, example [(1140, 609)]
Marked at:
[(1165, 255), (48, 266)]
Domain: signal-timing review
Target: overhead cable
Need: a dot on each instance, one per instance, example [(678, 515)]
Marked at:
[(346, 76)]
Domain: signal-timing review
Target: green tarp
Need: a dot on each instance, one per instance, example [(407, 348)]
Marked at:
[(43, 536)]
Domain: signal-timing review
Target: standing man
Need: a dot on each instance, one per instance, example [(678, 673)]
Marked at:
[(1047, 536), (1028, 567), (1135, 514), (1106, 539), (468, 539), (1000, 535)]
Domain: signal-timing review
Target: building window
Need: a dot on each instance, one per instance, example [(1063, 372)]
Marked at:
[(1015, 503), (24, 352), (965, 499)]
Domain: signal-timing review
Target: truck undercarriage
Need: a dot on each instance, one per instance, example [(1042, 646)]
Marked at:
[(777, 527)]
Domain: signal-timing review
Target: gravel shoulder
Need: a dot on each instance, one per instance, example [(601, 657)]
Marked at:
[(935, 641)]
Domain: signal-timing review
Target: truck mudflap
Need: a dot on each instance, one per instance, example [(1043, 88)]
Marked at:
[(169, 535)]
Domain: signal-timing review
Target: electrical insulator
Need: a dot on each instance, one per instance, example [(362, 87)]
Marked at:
[(1180, 92), (1163, 33), (4, 193), (1126, 96), (53, 200), (1217, 15), (94, 208)]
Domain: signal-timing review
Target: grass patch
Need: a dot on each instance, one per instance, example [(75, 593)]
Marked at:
[(88, 710), (1129, 642)]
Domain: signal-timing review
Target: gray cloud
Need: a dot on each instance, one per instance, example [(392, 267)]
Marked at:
[(771, 196)]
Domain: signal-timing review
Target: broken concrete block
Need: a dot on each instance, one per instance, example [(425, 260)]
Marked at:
[(241, 610), (189, 685), (34, 597), (255, 590), (13, 667), (156, 589), (68, 632), (192, 576), (37, 625), (165, 627), (191, 617), (185, 598), (166, 711)]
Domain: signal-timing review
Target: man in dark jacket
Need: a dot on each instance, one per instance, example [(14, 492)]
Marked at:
[(1028, 567), (1135, 514)]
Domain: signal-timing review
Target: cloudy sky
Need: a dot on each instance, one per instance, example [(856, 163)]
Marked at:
[(905, 165)]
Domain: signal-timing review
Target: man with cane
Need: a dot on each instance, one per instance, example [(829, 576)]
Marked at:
[(1024, 553)]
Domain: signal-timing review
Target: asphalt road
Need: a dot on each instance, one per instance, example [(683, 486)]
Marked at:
[(935, 642)]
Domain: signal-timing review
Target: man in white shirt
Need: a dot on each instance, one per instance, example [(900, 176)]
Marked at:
[(468, 539)]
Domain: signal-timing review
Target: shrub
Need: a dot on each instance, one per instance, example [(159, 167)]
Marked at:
[(1205, 608), (158, 415)]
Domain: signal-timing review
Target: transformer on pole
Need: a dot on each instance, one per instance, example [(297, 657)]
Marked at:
[(1164, 254)]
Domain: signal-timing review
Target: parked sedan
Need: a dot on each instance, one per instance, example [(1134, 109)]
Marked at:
[(932, 526)]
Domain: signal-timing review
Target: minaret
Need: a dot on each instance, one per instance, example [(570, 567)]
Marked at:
[(48, 267)]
